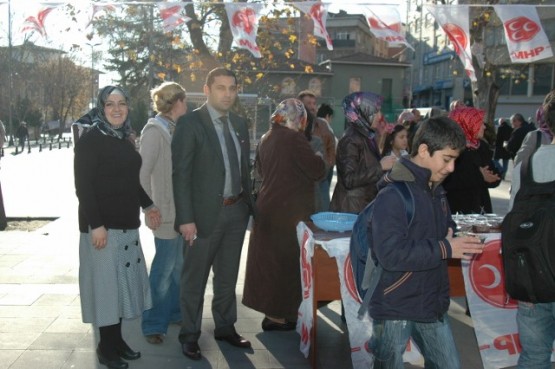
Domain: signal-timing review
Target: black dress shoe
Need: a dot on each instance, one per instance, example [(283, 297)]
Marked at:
[(128, 354), (111, 364), (191, 350), (235, 339), (270, 325)]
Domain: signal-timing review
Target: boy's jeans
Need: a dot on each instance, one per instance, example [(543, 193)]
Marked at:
[(435, 341), (536, 328), (165, 274)]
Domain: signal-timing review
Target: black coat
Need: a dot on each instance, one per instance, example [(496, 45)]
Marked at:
[(517, 137), (467, 192)]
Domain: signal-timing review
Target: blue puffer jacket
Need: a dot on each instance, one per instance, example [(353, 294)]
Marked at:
[(414, 284)]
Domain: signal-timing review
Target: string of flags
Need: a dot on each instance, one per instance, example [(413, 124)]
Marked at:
[(526, 40)]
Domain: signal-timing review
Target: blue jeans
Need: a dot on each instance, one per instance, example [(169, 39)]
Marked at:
[(435, 341), (165, 274), (503, 166), (536, 328)]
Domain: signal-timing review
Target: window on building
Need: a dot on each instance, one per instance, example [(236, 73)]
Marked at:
[(512, 80), (288, 86), (315, 85), (354, 84), (342, 35), (543, 79)]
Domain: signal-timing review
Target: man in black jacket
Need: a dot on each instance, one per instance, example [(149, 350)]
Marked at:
[(520, 129), (504, 132)]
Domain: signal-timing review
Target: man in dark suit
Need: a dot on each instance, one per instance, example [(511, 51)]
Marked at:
[(213, 202)]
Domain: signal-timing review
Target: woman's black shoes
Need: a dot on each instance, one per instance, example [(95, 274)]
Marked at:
[(270, 325), (116, 363), (128, 354)]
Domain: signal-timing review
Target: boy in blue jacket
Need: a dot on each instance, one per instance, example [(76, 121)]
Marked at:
[(412, 295)]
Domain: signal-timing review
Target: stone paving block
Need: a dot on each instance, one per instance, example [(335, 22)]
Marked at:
[(19, 341), (58, 341), (15, 325), (7, 357), (43, 359), (68, 325)]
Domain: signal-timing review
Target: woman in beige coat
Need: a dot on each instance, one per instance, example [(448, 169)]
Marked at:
[(169, 100)]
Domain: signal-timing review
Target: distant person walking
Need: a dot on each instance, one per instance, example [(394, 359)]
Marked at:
[(2, 138), (22, 134), (501, 154)]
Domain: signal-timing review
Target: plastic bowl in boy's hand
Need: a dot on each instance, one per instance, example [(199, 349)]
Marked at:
[(334, 222)]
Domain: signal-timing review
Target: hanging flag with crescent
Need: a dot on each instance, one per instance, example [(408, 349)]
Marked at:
[(384, 22), (318, 12), (454, 20), (171, 15), (36, 23), (243, 21), (526, 39)]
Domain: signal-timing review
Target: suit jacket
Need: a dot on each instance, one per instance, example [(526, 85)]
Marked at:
[(199, 171)]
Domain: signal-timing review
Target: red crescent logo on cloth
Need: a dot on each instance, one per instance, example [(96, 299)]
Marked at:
[(521, 29), (350, 280), (245, 19), (306, 268), (316, 14), (486, 277), (457, 36)]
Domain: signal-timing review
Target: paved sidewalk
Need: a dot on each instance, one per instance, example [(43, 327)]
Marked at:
[(40, 317)]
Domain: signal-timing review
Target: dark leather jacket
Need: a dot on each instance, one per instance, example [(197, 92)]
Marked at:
[(358, 171)]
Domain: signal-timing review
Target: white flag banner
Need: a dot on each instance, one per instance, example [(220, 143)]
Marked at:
[(171, 15), (526, 39), (454, 21), (98, 10), (318, 12), (384, 22), (243, 21), (36, 23)]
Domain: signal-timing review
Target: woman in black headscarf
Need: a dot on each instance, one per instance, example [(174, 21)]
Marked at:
[(358, 160), (113, 280)]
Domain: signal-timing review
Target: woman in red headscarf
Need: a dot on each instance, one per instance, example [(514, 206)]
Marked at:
[(467, 187)]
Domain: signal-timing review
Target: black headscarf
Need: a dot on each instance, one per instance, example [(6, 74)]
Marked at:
[(96, 118)]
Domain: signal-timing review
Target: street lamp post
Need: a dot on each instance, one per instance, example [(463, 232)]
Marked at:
[(92, 70)]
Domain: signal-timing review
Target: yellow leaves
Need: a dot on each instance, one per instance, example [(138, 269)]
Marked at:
[(161, 75), (236, 58), (287, 54), (308, 69), (247, 80), (193, 77), (177, 68), (292, 66), (259, 76), (292, 38)]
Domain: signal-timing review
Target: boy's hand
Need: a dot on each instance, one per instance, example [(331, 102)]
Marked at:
[(464, 247)]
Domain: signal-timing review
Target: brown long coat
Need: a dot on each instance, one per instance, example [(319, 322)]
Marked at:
[(289, 169)]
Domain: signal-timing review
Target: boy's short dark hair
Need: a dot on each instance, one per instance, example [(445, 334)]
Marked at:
[(324, 110), (217, 72), (549, 110), (438, 133)]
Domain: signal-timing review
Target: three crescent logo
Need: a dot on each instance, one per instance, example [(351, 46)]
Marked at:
[(486, 277), (457, 36), (521, 29), (350, 280), (245, 19)]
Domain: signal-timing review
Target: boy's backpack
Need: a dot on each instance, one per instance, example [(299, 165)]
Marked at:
[(366, 272), (528, 239)]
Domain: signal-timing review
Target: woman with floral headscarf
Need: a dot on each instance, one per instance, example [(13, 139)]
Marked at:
[(113, 280), (289, 170), (358, 160), (467, 187)]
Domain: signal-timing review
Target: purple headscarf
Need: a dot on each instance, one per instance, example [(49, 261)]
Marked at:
[(542, 124), (360, 108)]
